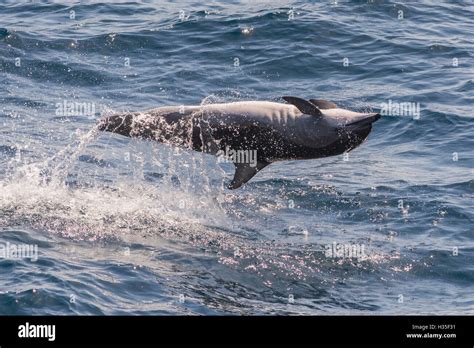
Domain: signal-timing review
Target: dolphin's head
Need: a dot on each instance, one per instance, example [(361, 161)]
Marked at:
[(348, 127), (326, 126)]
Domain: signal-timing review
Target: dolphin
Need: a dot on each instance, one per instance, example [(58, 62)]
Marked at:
[(252, 134)]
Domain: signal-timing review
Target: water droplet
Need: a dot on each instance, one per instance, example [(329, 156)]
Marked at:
[(247, 30)]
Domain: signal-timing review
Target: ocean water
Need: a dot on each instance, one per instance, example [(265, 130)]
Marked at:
[(123, 226)]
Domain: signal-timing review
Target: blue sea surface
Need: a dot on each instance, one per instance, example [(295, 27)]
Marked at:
[(124, 226)]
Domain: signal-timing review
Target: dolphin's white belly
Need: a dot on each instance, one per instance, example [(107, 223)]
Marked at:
[(284, 118), (267, 112), (249, 112)]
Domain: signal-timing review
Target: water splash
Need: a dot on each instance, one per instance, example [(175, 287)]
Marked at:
[(39, 193)]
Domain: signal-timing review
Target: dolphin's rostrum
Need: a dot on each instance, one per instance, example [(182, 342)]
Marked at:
[(301, 129)]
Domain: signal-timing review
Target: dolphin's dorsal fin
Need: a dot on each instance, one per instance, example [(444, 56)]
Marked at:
[(244, 172), (303, 105), (323, 104)]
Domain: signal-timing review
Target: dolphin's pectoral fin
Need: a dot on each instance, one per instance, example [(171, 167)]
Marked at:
[(304, 106), (244, 172), (323, 104)]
